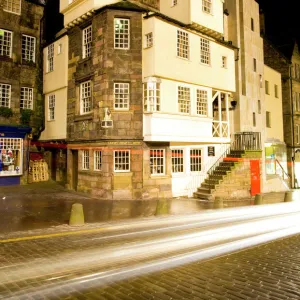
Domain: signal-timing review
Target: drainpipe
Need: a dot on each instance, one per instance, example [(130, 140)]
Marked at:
[(293, 132)]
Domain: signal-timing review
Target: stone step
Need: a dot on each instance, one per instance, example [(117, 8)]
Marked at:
[(209, 186), (204, 190), (202, 196), (212, 181)]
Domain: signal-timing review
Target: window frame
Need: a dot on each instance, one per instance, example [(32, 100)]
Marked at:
[(254, 119), (201, 159), (87, 39), (163, 165), (297, 134), (207, 6), (201, 103), (34, 48), (259, 106), (85, 160), (9, 95), (252, 24), (268, 119), (205, 55), (10, 46), (224, 62), (30, 95), (180, 102), (124, 97), (148, 40), (267, 87), (51, 107), (50, 58), (183, 44), (123, 163), (121, 39), (96, 160), (180, 159), (13, 12), (82, 99), (276, 91), (155, 97), (254, 65)]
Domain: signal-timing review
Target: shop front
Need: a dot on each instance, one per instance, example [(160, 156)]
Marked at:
[(13, 154)]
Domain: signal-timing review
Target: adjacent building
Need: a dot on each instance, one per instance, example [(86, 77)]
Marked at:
[(21, 106)]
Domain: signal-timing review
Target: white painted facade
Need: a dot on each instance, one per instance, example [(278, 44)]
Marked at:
[(190, 130), (55, 86)]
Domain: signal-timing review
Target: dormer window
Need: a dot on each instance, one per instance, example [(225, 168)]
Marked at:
[(207, 6)]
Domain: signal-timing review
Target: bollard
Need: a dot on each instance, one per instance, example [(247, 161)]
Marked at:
[(288, 196), (258, 199), (218, 203), (77, 216)]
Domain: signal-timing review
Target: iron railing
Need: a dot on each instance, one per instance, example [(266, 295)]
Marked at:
[(284, 174), (247, 141)]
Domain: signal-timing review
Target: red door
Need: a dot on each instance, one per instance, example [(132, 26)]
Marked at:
[(255, 176)]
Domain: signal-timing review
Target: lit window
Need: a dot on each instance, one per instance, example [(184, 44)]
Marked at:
[(122, 35), (51, 107), (182, 44), (177, 161), (267, 87), (207, 6), (224, 62), (268, 119), (149, 40), (276, 90), (85, 160), (297, 134), (184, 99), (254, 119), (174, 2), (85, 97), (121, 92), (122, 161), (157, 161), (259, 106), (5, 94), (152, 96), (13, 6), (195, 160), (201, 102), (97, 160), (5, 43), (204, 51), (26, 101), (50, 57), (28, 48), (87, 42)]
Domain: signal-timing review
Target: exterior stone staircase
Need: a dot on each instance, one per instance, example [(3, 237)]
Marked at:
[(222, 175)]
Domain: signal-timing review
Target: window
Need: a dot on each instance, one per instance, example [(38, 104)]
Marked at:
[(5, 94), (5, 43), (201, 102), (28, 48), (195, 160), (298, 101), (151, 96), (97, 160), (149, 40), (122, 161), (254, 64), (174, 2), (224, 62), (260, 81), (13, 6), (121, 92), (177, 161), (86, 42), (207, 6), (26, 101), (297, 134), (121, 33), (254, 119), (157, 161), (85, 160), (276, 90), (59, 49), (50, 57), (184, 99), (183, 44), (51, 107), (267, 87), (268, 119), (85, 97), (252, 24), (259, 106), (204, 51)]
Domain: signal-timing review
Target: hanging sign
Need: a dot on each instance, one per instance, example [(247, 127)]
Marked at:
[(211, 151)]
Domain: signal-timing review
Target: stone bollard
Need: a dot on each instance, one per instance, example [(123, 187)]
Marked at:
[(218, 203), (77, 216), (258, 199), (288, 197)]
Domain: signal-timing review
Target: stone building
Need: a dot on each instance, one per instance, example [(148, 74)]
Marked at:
[(21, 102), (148, 96)]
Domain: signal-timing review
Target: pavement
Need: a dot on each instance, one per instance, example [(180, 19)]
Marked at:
[(46, 206)]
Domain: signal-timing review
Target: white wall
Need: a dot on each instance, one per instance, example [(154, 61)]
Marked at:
[(161, 59)]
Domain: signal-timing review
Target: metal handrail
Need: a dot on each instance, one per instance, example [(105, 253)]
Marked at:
[(282, 169)]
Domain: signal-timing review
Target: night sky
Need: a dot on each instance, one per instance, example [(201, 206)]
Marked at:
[(282, 19)]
